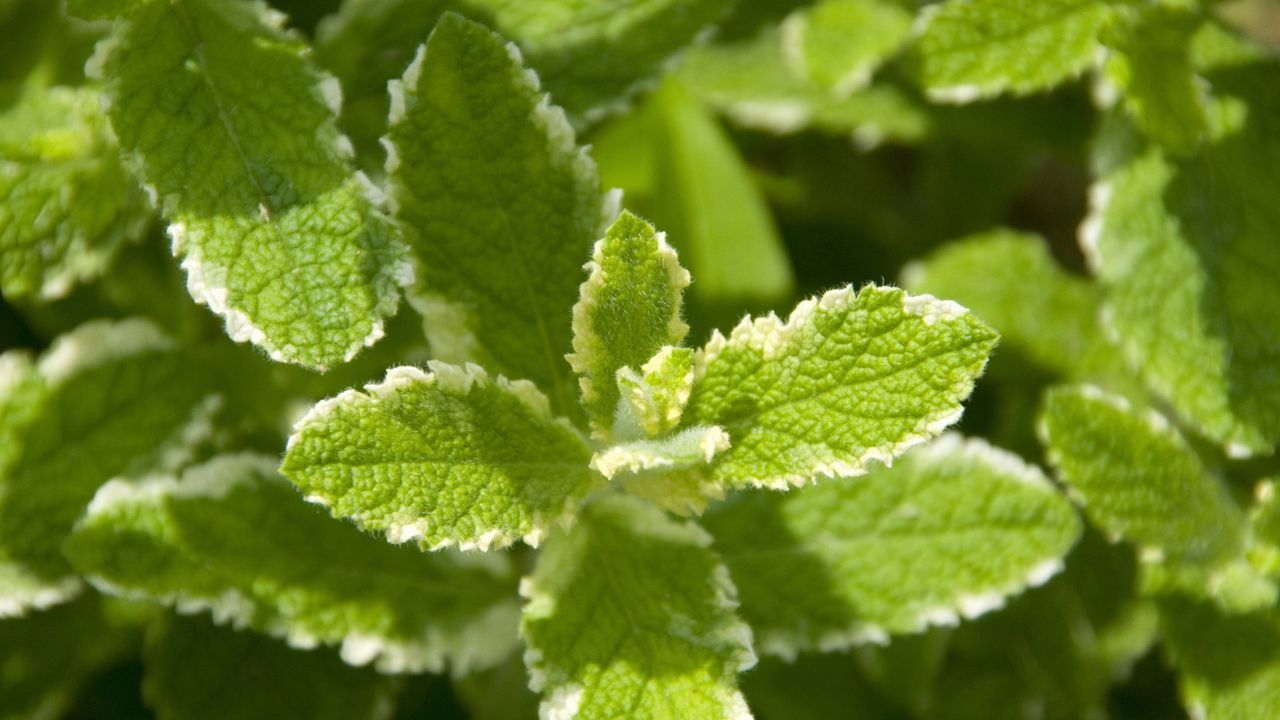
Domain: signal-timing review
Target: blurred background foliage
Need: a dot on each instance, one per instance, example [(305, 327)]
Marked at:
[(852, 191)]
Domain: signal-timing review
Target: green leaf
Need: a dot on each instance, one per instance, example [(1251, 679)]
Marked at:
[(448, 457), (273, 224), (1010, 280), (749, 81), (593, 56), (849, 378), (949, 531), (1055, 651), (1229, 665), (973, 49), (500, 203), (66, 204), (1151, 65), (628, 309), (632, 615), (232, 538), (105, 399), (1208, 342), (196, 670), (365, 44), (1137, 479), (838, 44), (652, 401), (716, 216), (671, 472)]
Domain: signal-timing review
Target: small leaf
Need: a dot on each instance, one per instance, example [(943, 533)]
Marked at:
[(500, 204), (1137, 479), (949, 531), (1011, 281), (652, 401), (106, 398), (446, 458), (973, 49), (232, 538), (196, 670), (593, 57), (849, 378), (839, 43), (628, 309), (671, 472), (632, 615), (66, 204), (1208, 342), (272, 223)]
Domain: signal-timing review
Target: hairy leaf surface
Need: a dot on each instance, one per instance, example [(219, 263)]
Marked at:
[(632, 615), (231, 129), (500, 204), (848, 378), (628, 309), (449, 457), (949, 531)]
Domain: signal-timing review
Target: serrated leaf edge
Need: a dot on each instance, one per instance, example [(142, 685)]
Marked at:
[(769, 334), (429, 653), (457, 380), (588, 302), (966, 606), (564, 700), (204, 287)]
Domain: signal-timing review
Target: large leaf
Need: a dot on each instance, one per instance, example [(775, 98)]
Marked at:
[(196, 670), (628, 309), (979, 48), (1137, 479), (449, 457), (105, 399), (231, 537), (848, 379), (631, 615), (231, 129), (501, 206), (66, 203), (949, 531), (1206, 343)]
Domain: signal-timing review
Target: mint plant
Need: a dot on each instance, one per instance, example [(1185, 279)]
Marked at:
[(653, 434)]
